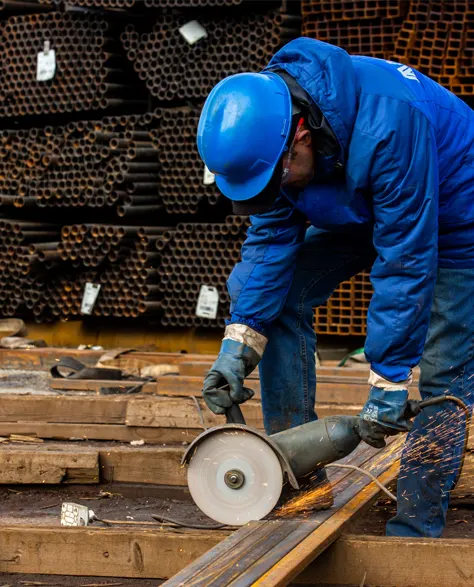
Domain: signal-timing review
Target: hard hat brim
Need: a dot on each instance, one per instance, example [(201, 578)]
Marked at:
[(245, 190)]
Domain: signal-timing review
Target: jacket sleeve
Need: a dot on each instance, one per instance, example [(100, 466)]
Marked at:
[(404, 185), (259, 284)]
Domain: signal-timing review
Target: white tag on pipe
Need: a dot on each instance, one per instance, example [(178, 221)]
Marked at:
[(208, 302), (91, 291), (209, 178), (193, 32), (46, 64)]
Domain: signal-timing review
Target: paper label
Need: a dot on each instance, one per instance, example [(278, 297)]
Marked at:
[(91, 291), (208, 302), (209, 178), (46, 65), (193, 32)]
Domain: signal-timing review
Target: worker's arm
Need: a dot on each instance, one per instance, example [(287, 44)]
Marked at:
[(258, 287), (259, 284), (404, 185)]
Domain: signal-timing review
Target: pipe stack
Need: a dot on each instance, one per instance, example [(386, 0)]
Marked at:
[(91, 72), (190, 3), (27, 252), (8, 7), (127, 4), (173, 69), (130, 287), (200, 254), (110, 163), (345, 312), (182, 187), (122, 193), (125, 259), (367, 27), (103, 4), (434, 36), (122, 259), (438, 39)]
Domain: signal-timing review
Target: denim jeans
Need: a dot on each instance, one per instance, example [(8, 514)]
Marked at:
[(431, 458)]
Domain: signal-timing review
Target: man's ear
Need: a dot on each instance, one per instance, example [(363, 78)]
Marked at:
[(304, 137)]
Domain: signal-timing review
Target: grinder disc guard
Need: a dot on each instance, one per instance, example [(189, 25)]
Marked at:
[(234, 477)]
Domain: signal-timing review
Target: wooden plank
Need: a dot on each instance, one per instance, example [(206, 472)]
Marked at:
[(183, 413), (135, 411), (465, 485), (42, 464), (72, 463), (284, 559), (66, 409), (201, 367), (95, 385), (157, 465), (108, 552), (386, 561), (110, 432), (45, 358), (329, 389)]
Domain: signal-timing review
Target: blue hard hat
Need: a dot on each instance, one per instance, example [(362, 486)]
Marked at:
[(244, 127)]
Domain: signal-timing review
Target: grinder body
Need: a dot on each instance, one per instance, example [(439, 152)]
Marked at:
[(311, 446), (236, 473)]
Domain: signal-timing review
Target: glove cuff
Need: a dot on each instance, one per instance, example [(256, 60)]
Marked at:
[(377, 380), (247, 336)]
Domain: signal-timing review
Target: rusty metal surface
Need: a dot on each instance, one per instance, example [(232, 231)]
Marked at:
[(173, 69), (91, 71)]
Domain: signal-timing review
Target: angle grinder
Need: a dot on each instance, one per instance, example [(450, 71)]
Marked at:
[(236, 473)]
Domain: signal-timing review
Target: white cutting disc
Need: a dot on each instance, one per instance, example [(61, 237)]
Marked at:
[(235, 450)]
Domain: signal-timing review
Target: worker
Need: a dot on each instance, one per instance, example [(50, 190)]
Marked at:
[(344, 163)]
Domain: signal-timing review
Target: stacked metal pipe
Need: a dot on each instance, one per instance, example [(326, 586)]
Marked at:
[(125, 258), (190, 3), (103, 4), (200, 254), (27, 249), (110, 163), (435, 36), (43, 268), (174, 69), (339, 10), (438, 39), (182, 186), (345, 312), (8, 7), (135, 181), (362, 28), (126, 4), (91, 72)]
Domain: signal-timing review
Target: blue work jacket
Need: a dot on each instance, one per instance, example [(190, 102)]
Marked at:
[(407, 145)]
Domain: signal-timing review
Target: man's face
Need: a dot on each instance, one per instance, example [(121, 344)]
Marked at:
[(298, 161)]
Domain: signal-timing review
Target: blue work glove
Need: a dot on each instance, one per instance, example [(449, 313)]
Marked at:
[(224, 383), (383, 415)]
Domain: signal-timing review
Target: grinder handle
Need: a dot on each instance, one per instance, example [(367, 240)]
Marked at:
[(413, 408), (234, 415)]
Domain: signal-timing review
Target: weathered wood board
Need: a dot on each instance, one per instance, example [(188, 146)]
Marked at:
[(386, 562), (44, 464), (109, 552)]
